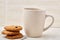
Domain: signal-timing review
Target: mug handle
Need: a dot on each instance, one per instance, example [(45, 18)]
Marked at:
[(51, 22)]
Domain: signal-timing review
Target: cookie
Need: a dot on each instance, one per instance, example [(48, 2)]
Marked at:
[(13, 28), (15, 36), (9, 32)]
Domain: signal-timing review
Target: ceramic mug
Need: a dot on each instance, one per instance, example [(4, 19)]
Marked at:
[(34, 20)]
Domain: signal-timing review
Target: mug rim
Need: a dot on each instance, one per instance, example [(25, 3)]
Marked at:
[(34, 9)]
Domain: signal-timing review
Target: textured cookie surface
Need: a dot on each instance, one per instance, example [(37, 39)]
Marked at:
[(9, 32), (15, 36), (13, 28)]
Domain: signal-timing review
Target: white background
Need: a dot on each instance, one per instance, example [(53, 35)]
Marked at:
[(11, 10)]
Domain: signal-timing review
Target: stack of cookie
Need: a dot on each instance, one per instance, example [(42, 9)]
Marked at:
[(12, 32)]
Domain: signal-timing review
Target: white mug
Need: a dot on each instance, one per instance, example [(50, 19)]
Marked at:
[(34, 20)]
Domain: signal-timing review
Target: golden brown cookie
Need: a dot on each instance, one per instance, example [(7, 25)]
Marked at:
[(9, 33), (13, 28), (15, 36)]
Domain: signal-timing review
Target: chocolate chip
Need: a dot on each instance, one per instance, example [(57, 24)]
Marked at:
[(16, 27)]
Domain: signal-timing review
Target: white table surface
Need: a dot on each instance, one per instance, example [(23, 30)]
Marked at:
[(50, 34)]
